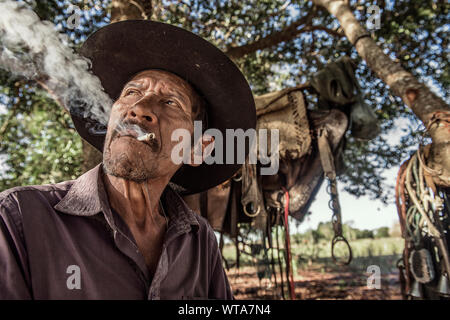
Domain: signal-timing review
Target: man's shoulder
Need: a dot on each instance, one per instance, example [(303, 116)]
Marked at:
[(14, 198)]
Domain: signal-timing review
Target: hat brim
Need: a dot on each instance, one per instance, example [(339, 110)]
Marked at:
[(123, 49)]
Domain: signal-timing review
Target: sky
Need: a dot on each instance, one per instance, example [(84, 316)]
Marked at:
[(363, 212)]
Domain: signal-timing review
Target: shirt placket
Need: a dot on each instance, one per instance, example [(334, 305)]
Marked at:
[(178, 225), (127, 247), (175, 230), (160, 273)]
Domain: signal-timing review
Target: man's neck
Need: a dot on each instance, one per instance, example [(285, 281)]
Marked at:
[(137, 203)]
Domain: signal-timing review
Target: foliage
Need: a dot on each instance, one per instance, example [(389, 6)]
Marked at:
[(382, 232), (42, 144), (413, 32), (365, 252), (360, 247), (325, 231)]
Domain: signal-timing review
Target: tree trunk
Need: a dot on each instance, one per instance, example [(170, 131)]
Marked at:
[(423, 102), (130, 10)]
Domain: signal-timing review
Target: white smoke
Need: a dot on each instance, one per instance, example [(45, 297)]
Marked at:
[(33, 49)]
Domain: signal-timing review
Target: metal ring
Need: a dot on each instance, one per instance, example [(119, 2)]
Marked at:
[(335, 240), (330, 204), (334, 219), (254, 214), (328, 188)]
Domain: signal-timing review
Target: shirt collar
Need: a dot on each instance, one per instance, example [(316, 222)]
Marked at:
[(87, 194), (83, 198)]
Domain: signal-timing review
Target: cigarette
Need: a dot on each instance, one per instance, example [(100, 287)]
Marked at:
[(146, 137)]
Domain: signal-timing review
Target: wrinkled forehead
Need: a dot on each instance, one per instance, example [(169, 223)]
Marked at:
[(161, 80)]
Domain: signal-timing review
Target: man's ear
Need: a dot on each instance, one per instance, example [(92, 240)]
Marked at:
[(202, 150)]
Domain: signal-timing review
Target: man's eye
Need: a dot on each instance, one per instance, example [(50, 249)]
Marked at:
[(131, 92), (170, 102)]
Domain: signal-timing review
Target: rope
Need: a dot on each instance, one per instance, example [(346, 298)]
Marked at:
[(413, 196), (419, 209), (401, 209), (400, 200), (289, 272)]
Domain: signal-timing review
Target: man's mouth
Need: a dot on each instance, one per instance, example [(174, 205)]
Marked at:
[(147, 137), (134, 131)]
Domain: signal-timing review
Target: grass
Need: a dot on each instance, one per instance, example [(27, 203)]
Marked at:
[(383, 252)]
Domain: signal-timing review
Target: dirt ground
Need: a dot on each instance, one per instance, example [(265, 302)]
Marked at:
[(316, 283)]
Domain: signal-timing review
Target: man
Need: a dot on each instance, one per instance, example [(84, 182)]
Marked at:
[(121, 230)]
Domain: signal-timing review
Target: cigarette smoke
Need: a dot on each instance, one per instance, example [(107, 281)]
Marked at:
[(33, 49), (131, 126)]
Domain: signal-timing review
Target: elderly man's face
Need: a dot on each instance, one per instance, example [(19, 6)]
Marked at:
[(153, 101)]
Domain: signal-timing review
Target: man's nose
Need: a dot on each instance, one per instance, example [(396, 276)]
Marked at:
[(141, 113)]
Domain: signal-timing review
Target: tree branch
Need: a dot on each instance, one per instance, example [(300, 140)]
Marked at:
[(288, 33), (334, 33), (267, 16), (214, 24), (127, 10)]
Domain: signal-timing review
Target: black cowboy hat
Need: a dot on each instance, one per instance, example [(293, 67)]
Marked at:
[(121, 50)]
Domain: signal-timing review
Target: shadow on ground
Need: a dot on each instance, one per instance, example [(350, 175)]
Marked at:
[(322, 279)]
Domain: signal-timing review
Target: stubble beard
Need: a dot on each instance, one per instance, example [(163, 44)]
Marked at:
[(138, 170)]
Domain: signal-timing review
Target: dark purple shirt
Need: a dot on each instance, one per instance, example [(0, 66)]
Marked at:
[(63, 241)]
